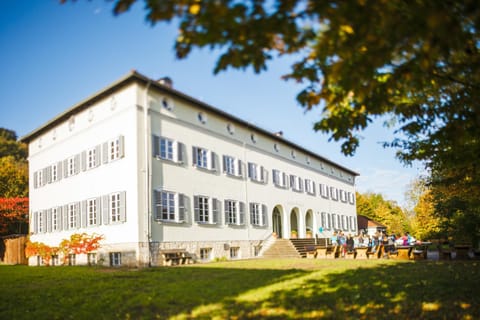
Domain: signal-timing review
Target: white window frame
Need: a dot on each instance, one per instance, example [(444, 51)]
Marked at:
[(41, 222), (258, 214), (257, 173), (324, 191), (92, 158), (296, 183), (310, 187), (115, 259), (343, 196), (114, 149), (54, 172), (234, 212), (72, 215), (205, 254), (206, 210), (203, 158), (234, 252), (56, 218), (232, 166), (115, 207), (351, 198), (174, 204), (334, 193), (92, 212), (280, 179), (167, 149)]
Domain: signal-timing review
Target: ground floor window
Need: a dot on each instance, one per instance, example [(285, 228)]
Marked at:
[(205, 254), (71, 259), (115, 259), (234, 252), (55, 260), (92, 259)]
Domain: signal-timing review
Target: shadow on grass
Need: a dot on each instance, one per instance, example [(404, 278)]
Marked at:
[(425, 290)]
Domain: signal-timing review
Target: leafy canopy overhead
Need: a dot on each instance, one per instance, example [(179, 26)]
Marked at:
[(417, 62)]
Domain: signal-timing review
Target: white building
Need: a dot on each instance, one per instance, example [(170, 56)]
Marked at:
[(183, 174)]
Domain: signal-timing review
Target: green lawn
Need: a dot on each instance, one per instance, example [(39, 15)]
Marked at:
[(258, 289)]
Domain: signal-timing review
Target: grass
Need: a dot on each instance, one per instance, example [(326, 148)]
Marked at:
[(247, 289)]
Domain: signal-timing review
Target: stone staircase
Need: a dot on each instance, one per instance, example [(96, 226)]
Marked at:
[(300, 245), (281, 248)]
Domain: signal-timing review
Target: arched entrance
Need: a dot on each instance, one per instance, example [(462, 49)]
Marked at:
[(277, 221), (294, 221), (309, 223)]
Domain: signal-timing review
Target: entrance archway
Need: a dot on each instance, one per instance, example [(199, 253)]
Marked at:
[(294, 220), (277, 221), (309, 223)]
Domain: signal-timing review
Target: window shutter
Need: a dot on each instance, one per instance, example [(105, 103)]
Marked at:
[(292, 182), (35, 180), (194, 156), (314, 192), (196, 210), (158, 204), (106, 209), (59, 218), (264, 174), (98, 211), (76, 163), (241, 219), (264, 215), (105, 152), (285, 180), (34, 226), (83, 214), (156, 145), (239, 168), (65, 217), (224, 163), (213, 161), (276, 176), (59, 170), (78, 215), (214, 210), (180, 148), (250, 208), (65, 168), (121, 146), (83, 160), (48, 220), (97, 155), (227, 210), (181, 208), (250, 169), (300, 184), (49, 174), (123, 208)]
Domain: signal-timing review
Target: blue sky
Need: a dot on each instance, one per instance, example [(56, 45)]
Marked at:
[(53, 56)]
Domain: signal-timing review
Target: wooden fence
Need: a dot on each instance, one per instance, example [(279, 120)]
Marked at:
[(14, 249)]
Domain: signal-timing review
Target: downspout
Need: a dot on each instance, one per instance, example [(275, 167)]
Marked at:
[(147, 172)]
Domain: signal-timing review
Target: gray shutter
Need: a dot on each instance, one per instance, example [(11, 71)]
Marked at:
[(98, 210), (300, 184), (180, 148), (314, 192), (106, 209), (156, 145), (194, 156), (292, 181), (60, 218), (226, 209), (264, 215), (123, 208), (59, 170), (49, 220), (84, 214), (35, 222), (78, 215), (121, 146), (224, 163), (240, 168), (49, 174), (35, 180), (215, 205), (241, 219), (264, 174), (250, 169), (97, 155), (285, 180), (76, 163), (105, 152), (65, 168), (158, 204), (83, 160), (65, 217), (250, 206), (44, 176), (275, 177), (181, 207), (196, 209), (213, 163)]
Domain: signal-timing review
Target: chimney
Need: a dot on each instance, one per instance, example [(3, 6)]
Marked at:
[(166, 81)]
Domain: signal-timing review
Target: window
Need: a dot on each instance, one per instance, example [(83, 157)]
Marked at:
[(230, 128), (56, 218), (351, 198), (72, 215), (280, 179), (343, 196), (258, 214), (234, 252), (54, 172), (344, 222), (54, 261), (41, 222), (202, 117), (167, 149), (257, 173), (334, 221), (234, 212), (353, 223), (92, 258), (72, 259), (296, 183), (114, 208), (205, 254), (232, 166), (334, 193), (113, 149), (40, 180), (92, 212), (203, 158), (323, 220), (115, 259), (324, 191), (206, 209), (310, 187), (72, 165), (93, 157), (169, 206)]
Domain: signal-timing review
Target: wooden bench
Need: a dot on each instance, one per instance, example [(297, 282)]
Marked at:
[(373, 252), (311, 252), (172, 257), (361, 252), (322, 252)]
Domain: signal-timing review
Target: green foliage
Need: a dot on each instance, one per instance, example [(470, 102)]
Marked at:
[(9, 146), (13, 178), (386, 212), (256, 289)]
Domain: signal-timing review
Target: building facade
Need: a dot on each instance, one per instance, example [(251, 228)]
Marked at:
[(151, 169)]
